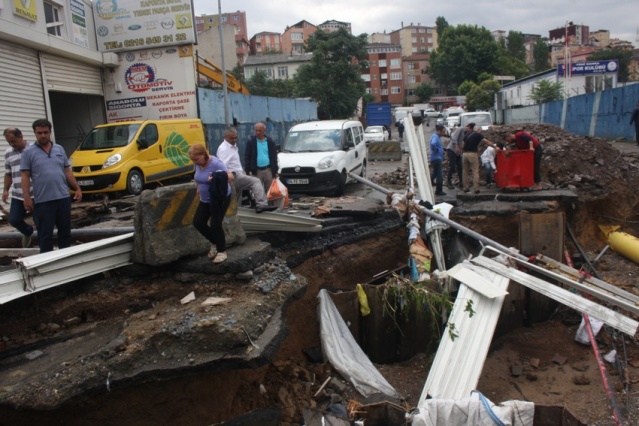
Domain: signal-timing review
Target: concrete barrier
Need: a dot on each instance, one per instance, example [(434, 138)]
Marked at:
[(385, 151)]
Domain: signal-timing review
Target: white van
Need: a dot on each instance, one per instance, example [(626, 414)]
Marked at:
[(481, 119), (451, 116), (317, 156)]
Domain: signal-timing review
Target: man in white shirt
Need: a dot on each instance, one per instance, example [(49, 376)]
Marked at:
[(230, 156)]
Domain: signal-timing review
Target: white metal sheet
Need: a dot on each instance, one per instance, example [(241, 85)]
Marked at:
[(459, 361)]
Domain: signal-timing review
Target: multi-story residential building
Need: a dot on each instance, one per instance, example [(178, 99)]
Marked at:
[(529, 42), (333, 25), (384, 78), (295, 36), (210, 48), (276, 66), (415, 73), (379, 38), (265, 42), (415, 39), (576, 34), (238, 21)]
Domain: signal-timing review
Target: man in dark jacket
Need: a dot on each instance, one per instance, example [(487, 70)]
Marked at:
[(260, 157)]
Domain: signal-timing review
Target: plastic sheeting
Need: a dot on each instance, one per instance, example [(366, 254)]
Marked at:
[(342, 351), (472, 411)]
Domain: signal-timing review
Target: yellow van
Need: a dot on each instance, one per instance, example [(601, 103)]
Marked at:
[(125, 156)]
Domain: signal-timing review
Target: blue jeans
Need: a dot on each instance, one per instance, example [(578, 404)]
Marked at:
[(49, 215), (17, 213), (437, 175), (489, 173)]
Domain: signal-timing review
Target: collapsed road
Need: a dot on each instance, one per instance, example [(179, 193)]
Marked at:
[(122, 348)]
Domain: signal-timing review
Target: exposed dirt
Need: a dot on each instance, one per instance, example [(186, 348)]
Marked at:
[(554, 368)]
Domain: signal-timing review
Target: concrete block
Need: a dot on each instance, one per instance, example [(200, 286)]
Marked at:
[(385, 151)]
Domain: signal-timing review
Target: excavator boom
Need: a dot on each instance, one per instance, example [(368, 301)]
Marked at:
[(213, 72)]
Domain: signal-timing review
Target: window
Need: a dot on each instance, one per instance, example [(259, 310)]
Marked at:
[(258, 37), (53, 15), (374, 76), (421, 39), (396, 76), (384, 76), (396, 89), (382, 63), (410, 92), (414, 39), (368, 90), (297, 36), (236, 18), (372, 63), (395, 63), (384, 92), (410, 65), (412, 79), (414, 49), (282, 72), (422, 30), (366, 77)]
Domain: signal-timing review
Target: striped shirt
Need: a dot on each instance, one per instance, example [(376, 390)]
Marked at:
[(12, 167)]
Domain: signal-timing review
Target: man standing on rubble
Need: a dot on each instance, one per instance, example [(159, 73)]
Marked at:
[(471, 156), (260, 157), (454, 153), (634, 118), (437, 158)]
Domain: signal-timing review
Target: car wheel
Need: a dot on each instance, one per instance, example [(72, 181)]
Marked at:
[(134, 182), (341, 185), (363, 172)]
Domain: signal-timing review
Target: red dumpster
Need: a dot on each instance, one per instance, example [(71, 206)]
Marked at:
[(515, 169)]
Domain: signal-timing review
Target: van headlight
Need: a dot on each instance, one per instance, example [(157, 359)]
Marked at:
[(114, 159), (326, 162)]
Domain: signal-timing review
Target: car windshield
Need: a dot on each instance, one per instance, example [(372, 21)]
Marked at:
[(374, 130), (480, 119), (109, 137), (312, 141)]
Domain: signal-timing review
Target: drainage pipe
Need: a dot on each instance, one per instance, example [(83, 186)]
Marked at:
[(479, 237)]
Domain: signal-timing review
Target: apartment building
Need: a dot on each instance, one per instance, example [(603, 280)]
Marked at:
[(279, 66), (384, 77), (265, 43), (333, 25), (415, 39), (237, 20), (415, 68), (294, 37)]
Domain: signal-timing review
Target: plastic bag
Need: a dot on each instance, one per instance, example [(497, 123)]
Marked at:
[(278, 194)]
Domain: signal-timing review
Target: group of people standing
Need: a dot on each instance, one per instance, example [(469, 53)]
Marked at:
[(38, 177), (214, 176), (37, 181), (463, 157)]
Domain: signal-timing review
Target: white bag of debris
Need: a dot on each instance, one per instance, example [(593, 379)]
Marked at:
[(582, 334), (342, 351), (474, 410)]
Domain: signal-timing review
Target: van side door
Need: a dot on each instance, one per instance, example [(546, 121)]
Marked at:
[(149, 155), (355, 149)]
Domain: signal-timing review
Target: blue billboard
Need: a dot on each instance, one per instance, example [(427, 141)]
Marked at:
[(594, 67)]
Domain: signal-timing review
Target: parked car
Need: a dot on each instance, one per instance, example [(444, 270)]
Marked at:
[(375, 134), (481, 119), (317, 156)]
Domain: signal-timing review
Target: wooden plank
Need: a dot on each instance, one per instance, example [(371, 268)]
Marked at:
[(542, 233)]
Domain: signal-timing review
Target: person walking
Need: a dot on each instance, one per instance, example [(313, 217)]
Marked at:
[(470, 149), (437, 158), (214, 189), (13, 186), (454, 154), (634, 119), (524, 140), (260, 157), (45, 166), (229, 154)]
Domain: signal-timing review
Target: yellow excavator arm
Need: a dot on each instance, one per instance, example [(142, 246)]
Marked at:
[(213, 72)]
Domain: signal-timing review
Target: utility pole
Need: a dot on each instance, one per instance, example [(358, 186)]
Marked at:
[(227, 119)]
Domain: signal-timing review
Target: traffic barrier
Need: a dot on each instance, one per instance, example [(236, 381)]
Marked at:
[(385, 151)]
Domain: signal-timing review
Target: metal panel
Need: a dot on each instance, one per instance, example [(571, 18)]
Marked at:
[(575, 301), (458, 363), (22, 99), (66, 75), (542, 233)]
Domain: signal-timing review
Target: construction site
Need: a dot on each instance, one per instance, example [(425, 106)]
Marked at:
[(387, 306)]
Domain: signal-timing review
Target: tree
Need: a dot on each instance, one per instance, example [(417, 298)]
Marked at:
[(546, 91), (441, 23), (540, 52), (466, 87), (623, 56), (482, 97), (464, 51), (515, 45), (261, 85), (333, 77), (424, 92)]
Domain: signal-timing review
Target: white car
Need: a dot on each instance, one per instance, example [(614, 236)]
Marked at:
[(375, 134)]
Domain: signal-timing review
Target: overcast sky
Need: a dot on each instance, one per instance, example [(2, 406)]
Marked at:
[(369, 16)]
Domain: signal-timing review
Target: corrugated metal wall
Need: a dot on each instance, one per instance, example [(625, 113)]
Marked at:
[(278, 114), (603, 114)]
